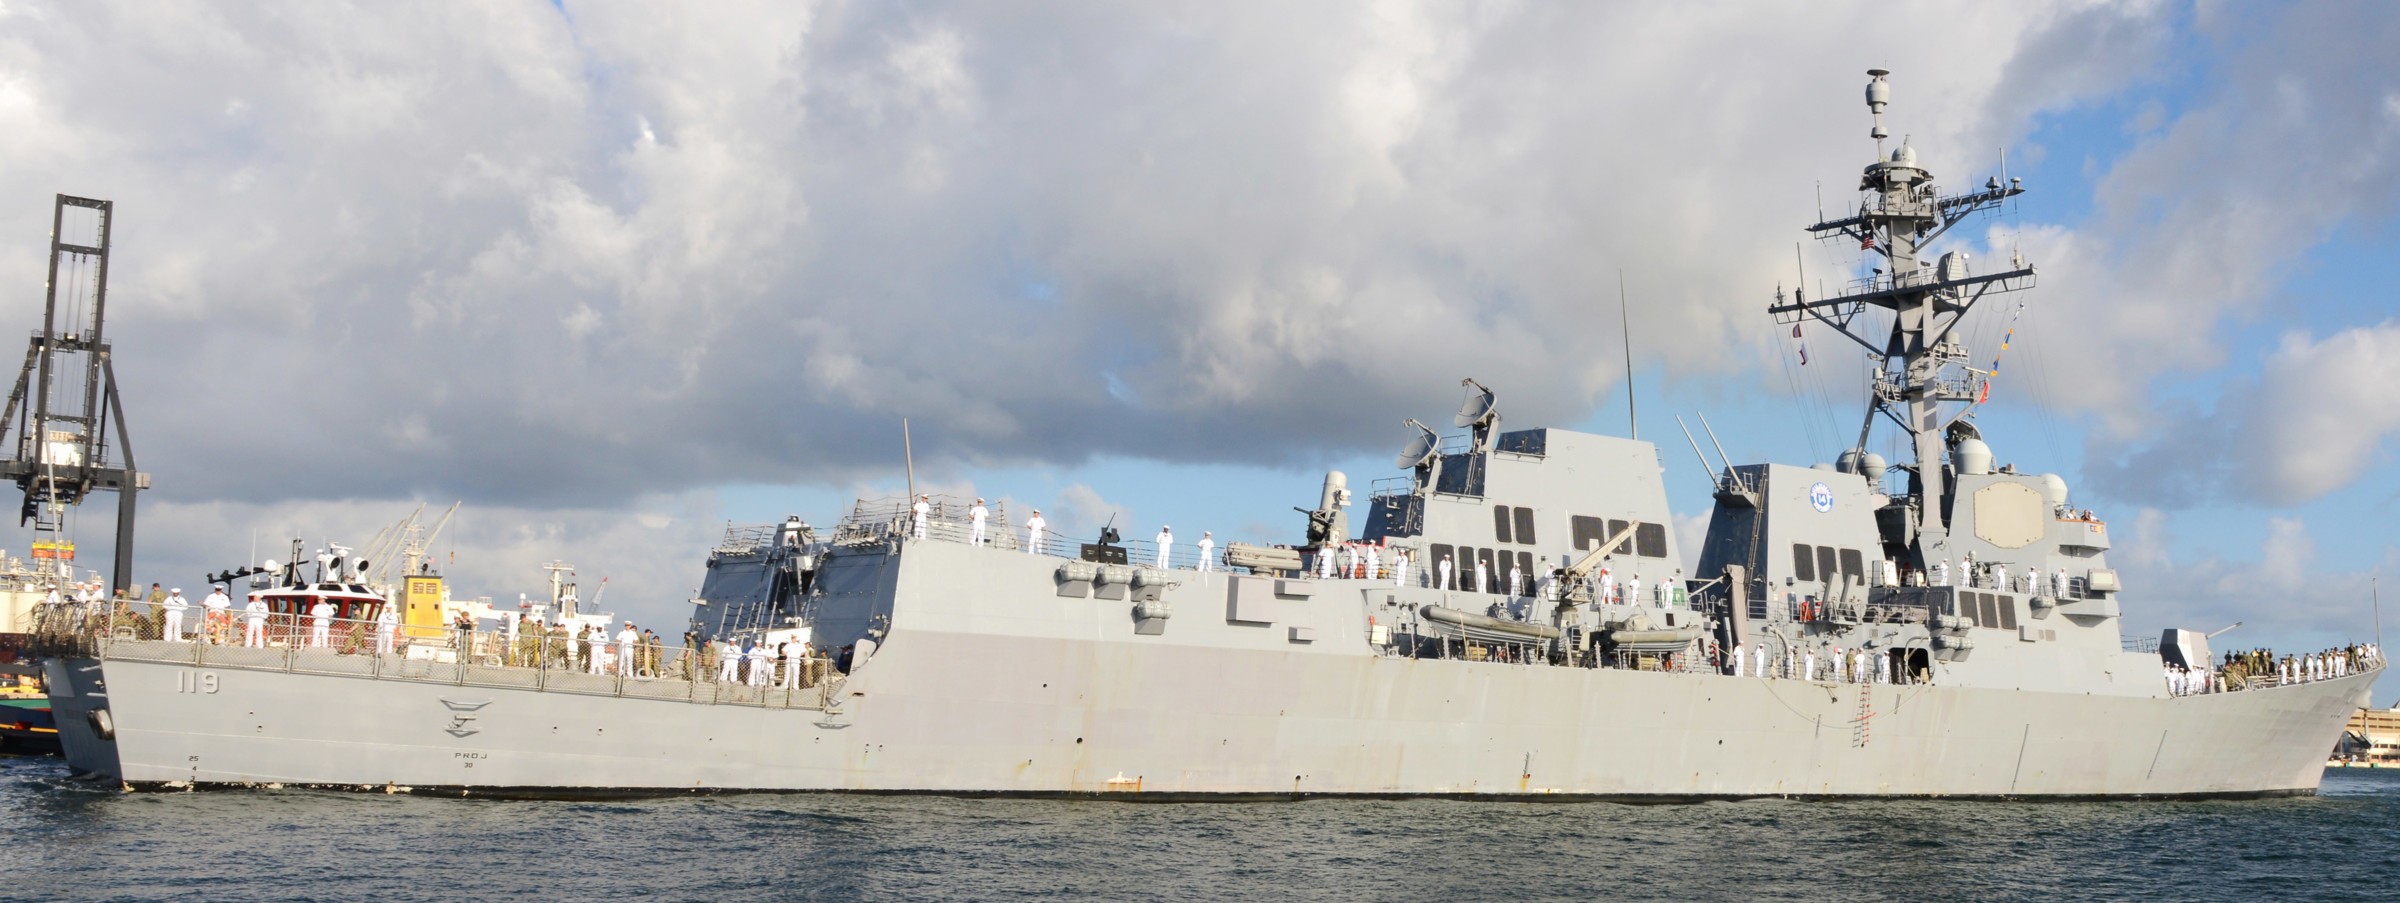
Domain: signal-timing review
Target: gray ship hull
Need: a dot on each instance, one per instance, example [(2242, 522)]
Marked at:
[(975, 714)]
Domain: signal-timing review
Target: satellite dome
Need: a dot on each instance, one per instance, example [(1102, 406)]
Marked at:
[(2054, 490), (1971, 457), (1848, 462), (1905, 156), (1820, 466), (1872, 467)]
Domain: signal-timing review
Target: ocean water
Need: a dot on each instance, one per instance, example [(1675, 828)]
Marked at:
[(66, 842)]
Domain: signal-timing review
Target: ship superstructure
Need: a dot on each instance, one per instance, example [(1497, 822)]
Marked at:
[(1506, 618)]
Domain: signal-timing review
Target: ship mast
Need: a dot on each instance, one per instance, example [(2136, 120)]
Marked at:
[(1922, 381)]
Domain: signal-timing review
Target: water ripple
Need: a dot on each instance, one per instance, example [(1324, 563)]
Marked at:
[(73, 842)]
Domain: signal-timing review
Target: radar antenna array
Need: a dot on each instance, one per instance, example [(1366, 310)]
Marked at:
[(1421, 450), (62, 453), (1480, 412), (1921, 382)]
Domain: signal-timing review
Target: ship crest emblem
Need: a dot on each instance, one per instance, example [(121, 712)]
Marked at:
[(1821, 497), (462, 717)]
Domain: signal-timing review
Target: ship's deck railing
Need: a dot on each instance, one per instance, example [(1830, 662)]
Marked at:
[(2264, 670), (1845, 668), (547, 662), (880, 521), (1431, 639), (741, 538)]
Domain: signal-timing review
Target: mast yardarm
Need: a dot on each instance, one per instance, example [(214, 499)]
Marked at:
[(1922, 382)]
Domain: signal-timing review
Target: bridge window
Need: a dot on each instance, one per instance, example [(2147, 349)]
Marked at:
[(1500, 523), (1589, 531), (1827, 568), (1854, 565), (1525, 525), (1650, 540), (1626, 546), (1804, 563)]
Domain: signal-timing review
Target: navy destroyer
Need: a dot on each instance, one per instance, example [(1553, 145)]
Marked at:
[(1508, 617)]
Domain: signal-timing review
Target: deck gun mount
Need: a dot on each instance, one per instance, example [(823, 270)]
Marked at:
[(1330, 523)]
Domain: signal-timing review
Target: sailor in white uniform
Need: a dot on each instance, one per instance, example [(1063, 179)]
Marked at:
[(254, 622), (729, 661), (625, 640), (2058, 584), (1033, 532), (1208, 551), (175, 605), (1941, 572), (1759, 666), (976, 516), (759, 666), (1738, 662), (1516, 580), (88, 596), (1483, 576), (1374, 561), (1166, 541), (1399, 567), (1445, 572), (1608, 587), (791, 664), (386, 624), (1324, 562), (320, 624), (1633, 590), (923, 508)]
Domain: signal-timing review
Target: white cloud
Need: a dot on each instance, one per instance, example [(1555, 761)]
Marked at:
[(2284, 596), (569, 264), (2316, 419), (1079, 511), (1691, 533), (2201, 219), (2322, 412)]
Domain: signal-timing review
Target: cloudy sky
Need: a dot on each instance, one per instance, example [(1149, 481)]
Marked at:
[(616, 274)]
